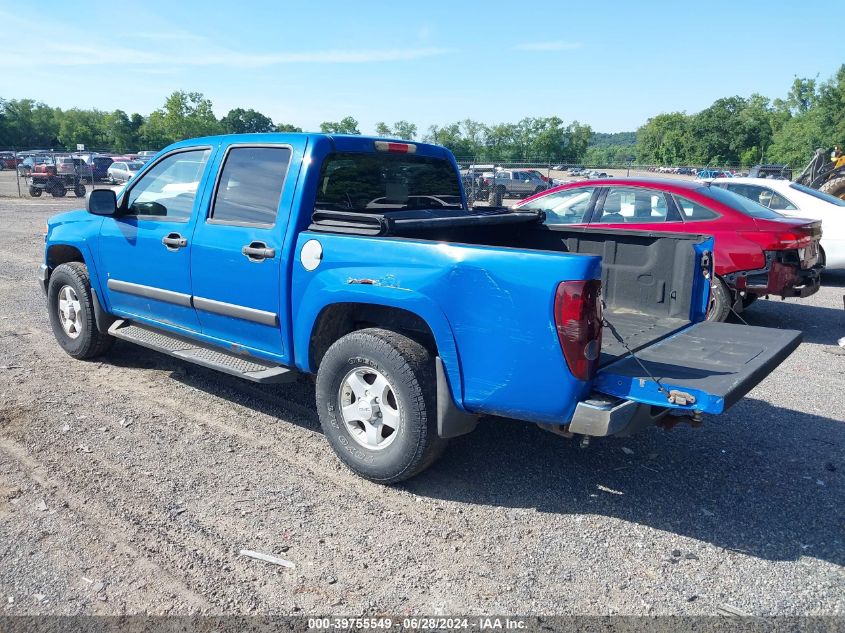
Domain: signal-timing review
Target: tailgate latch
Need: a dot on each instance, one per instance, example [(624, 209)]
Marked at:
[(681, 398)]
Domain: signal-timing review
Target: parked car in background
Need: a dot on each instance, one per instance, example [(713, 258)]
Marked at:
[(123, 171), (101, 166), (796, 200), (758, 251), (69, 165), (9, 161), (517, 183)]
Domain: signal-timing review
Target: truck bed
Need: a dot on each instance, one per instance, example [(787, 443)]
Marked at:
[(647, 277)]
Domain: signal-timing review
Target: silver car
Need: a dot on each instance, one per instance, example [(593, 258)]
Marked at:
[(518, 183), (123, 171)]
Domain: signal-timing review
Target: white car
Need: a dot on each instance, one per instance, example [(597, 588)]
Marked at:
[(790, 198), (123, 171)]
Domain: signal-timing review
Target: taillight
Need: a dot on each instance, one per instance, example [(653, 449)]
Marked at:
[(400, 148), (578, 322)]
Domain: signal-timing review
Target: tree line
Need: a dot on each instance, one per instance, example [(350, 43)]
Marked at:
[(732, 131)]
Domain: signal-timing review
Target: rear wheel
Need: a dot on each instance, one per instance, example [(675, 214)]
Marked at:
[(58, 190), (835, 187), (376, 400), (496, 196), (79, 191), (721, 299), (34, 192)]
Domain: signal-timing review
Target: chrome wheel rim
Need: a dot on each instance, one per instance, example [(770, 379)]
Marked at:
[(69, 312), (369, 408)]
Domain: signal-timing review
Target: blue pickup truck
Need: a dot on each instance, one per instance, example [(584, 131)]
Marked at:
[(357, 259)]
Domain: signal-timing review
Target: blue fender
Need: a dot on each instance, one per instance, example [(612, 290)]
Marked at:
[(337, 290)]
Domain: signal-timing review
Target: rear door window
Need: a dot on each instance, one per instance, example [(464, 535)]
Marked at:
[(380, 182), (632, 205), (250, 185)]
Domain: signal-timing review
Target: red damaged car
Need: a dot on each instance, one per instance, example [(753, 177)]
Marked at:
[(758, 251)]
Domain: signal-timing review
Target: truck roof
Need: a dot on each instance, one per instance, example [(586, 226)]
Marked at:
[(340, 142)]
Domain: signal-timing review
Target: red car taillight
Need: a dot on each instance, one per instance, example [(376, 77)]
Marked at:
[(578, 322)]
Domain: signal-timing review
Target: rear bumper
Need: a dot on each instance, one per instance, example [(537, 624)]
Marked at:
[(785, 280), (603, 415)]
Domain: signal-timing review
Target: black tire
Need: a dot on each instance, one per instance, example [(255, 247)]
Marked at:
[(35, 192), (409, 369), (721, 299), (58, 190), (538, 190), (79, 191), (834, 187), (496, 196), (90, 342)]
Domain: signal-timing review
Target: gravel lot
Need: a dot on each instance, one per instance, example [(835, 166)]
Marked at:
[(130, 485)]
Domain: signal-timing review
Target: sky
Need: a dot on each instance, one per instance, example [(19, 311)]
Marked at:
[(611, 65)]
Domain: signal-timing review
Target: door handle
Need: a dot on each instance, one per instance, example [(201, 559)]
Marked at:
[(174, 241), (258, 252)]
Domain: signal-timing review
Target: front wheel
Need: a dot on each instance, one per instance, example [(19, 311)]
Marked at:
[(34, 192), (376, 401), (71, 309), (79, 191)]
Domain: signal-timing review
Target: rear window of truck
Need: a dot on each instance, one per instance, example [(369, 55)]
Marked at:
[(376, 183)]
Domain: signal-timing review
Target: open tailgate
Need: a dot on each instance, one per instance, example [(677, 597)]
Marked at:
[(706, 367)]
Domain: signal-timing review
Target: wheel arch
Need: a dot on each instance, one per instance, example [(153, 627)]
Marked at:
[(58, 253), (427, 326)]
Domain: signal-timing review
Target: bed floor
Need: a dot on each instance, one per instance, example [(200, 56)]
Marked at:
[(636, 328)]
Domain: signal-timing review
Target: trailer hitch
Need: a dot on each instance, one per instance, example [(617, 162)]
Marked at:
[(693, 418)]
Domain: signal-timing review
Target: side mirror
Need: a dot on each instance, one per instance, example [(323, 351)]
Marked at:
[(102, 202)]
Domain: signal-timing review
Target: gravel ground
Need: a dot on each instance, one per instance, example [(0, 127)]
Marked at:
[(130, 485)]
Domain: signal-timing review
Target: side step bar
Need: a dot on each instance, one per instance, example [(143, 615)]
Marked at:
[(249, 367)]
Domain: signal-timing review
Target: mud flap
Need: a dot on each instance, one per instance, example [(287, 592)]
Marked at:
[(707, 367)]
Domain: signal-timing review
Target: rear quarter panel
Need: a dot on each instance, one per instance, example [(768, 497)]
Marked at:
[(490, 310)]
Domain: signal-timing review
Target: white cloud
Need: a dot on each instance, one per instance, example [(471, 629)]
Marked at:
[(557, 45), (55, 49)]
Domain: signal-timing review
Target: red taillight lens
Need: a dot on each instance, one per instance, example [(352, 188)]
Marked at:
[(578, 321)]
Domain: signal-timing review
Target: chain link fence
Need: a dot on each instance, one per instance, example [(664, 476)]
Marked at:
[(58, 173), (491, 182)]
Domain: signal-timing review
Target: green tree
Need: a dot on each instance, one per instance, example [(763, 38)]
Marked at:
[(405, 130), (240, 121), (287, 127), (26, 123), (184, 115), (346, 125)]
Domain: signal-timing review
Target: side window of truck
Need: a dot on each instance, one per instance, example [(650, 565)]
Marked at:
[(168, 189), (250, 186), (563, 207)]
